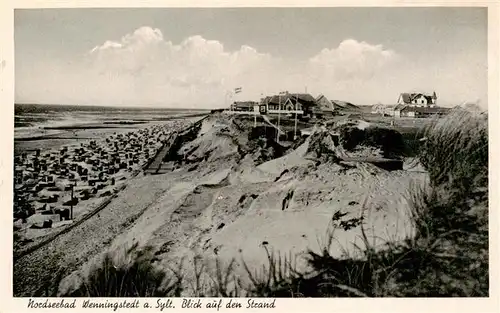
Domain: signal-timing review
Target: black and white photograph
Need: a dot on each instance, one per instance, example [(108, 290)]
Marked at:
[(250, 152)]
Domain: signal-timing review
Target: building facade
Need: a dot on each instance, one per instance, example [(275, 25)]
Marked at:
[(243, 106), (303, 104), (419, 112)]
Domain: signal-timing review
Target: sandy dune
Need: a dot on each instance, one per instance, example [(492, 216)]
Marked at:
[(230, 207)]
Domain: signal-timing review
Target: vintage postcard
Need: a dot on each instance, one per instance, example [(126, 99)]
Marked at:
[(249, 156)]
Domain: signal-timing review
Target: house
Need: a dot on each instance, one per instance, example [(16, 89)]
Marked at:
[(417, 99), (402, 110), (385, 110), (302, 102), (418, 105), (243, 106), (325, 105), (335, 106)]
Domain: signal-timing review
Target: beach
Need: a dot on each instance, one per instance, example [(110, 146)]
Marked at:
[(63, 171), (221, 193)]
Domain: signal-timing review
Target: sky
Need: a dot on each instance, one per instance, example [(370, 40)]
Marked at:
[(195, 57)]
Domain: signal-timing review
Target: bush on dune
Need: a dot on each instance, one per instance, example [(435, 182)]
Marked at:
[(451, 216), (137, 277)]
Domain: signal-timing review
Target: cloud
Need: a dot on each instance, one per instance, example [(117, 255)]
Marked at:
[(144, 68), (196, 72), (199, 71), (351, 60)]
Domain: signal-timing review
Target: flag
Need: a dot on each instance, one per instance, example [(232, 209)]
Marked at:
[(237, 90)]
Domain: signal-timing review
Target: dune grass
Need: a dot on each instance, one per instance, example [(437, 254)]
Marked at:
[(133, 276), (456, 151), (447, 256)]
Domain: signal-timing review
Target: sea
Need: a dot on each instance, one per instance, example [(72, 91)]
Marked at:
[(42, 126), (40, 119)]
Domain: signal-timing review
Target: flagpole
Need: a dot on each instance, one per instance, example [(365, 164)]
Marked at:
[(254, 118), (279, 113), (295, 128)]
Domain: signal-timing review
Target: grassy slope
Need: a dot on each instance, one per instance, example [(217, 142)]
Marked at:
[(448, 256)]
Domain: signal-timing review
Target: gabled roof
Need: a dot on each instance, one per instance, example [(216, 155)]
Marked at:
[(344, 105), (266, 100), (409, 97), (324, 103), (276, 99), (320, 97), (303, 98)]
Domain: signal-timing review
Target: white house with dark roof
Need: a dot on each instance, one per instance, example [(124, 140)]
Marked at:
[(418, 99), (418, 105), (303, 103)]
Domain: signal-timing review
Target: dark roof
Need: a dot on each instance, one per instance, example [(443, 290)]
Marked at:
[(406, 97), (265, 100), (344, 105), (336, 105), (277, 99), (303, 98)]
